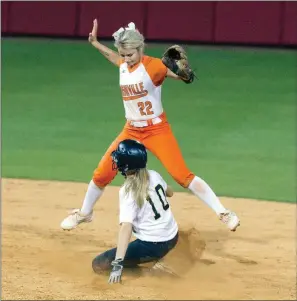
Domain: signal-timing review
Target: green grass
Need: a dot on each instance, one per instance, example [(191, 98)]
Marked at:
[(61, 109)]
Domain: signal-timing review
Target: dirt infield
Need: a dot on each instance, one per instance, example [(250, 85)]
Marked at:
[(40, 261)]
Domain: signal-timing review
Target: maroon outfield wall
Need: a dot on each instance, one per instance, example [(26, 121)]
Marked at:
[(255, 22)]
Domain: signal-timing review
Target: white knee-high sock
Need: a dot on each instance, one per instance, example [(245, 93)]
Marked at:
[(201, 189), (92, 195)]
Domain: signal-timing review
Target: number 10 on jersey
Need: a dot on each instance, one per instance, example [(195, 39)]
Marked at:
[(162, 199)]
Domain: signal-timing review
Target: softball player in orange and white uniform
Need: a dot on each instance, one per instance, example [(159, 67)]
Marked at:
[(141, 79)]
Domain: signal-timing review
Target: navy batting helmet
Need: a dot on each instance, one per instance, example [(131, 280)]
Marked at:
[(129, 155)]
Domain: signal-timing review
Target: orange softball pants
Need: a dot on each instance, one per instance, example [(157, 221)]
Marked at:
[(159, 140)]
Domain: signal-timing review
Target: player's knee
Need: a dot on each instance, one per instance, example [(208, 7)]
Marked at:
[(102, 179), (184, 179), (99, 182), (100, 264)]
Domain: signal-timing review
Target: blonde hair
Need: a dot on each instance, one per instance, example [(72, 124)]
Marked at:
[(129, 38), (137, 184)]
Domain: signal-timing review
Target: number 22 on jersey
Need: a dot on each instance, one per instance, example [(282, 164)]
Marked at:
[(145, 108)]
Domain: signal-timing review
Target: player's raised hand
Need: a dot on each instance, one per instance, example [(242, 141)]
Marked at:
[(93, 34), (110, 54)]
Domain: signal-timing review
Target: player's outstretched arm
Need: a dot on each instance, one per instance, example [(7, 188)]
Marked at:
[(117, 263), (111, 55), (172, 75), (123, 239)]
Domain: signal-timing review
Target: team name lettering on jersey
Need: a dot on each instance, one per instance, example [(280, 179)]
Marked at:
[(135, 91)]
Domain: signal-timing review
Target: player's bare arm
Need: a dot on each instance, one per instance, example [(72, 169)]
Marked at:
[(172, 75), (123, 240), (169, 191), (111, 55)]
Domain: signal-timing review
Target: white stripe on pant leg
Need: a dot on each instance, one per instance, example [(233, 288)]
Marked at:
[(202, 190)]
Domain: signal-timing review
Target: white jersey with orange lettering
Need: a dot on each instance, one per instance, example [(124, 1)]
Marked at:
[(141, 88), (154, 221)]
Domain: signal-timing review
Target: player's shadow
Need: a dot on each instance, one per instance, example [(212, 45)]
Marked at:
[(215, 242)]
